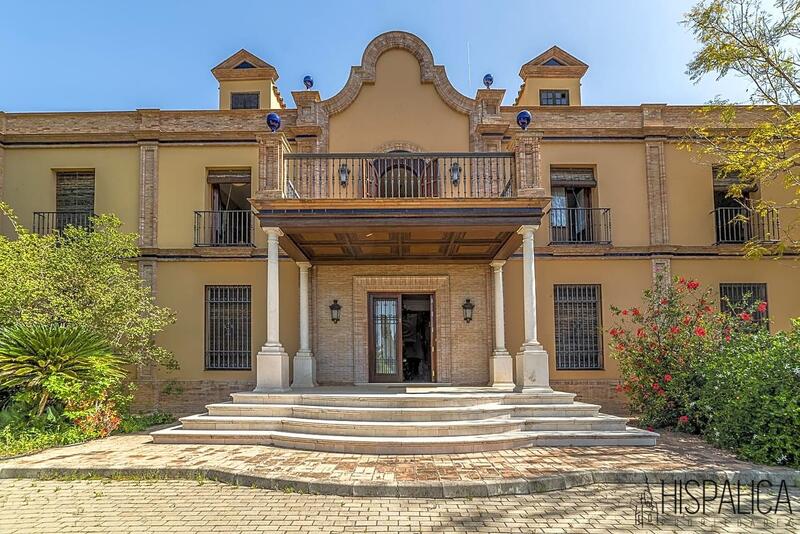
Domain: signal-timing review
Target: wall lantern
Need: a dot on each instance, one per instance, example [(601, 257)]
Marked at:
[(344, 173), (467, 307), (336, 311), (524, 119), (455, 173), (273, 121)]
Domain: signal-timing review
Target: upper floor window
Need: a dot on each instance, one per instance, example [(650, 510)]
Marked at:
[(735, 298), (573, 218), (227, 327), (75, 191), (554, 97), (578, 326), (244, 100)]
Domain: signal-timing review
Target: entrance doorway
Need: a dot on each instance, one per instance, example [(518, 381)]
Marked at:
[(402, 344)]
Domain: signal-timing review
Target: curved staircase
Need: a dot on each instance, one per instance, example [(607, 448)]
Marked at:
[(405, 421)]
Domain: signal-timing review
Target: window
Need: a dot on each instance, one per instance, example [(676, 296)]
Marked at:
[(553, 62), (578, 325), (571, 220), (244, 100), (734, 297), (75, 191), (227, 327), (245, 65), (554, 97)]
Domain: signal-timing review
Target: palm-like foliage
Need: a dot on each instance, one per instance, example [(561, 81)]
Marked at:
[(30, 355)]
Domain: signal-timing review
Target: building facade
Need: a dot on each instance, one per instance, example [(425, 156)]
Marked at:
[(398, 231)]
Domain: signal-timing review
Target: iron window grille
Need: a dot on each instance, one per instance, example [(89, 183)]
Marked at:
[(244, 100), (734, 298), (578, 327), (227, 336), (554, 97)]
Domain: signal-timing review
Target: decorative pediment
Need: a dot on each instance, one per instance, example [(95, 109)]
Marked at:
[(429, 73), (554, 63), (244, 65)]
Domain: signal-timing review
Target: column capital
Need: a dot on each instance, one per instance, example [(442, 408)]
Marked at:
[(272, 230), (303, 265), (526, 228), (497, 265)]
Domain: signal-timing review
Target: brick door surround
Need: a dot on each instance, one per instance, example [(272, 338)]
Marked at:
[(438, 285)]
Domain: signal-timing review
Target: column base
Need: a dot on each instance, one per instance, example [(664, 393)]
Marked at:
[(305, 370), (532, 369), (501, 370), (272, 369)]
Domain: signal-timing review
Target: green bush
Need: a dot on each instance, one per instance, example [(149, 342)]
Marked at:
[(685, 365), (70, 364), (751, 396)]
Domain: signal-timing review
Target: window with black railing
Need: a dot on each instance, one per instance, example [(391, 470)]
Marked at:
[(578, 326), (227, 335), (74, 203), (46, 222), (223, 228), (739, 224), (580, 225), (736, 298)]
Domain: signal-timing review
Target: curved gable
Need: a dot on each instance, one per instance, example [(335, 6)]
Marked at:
[(397, 95)]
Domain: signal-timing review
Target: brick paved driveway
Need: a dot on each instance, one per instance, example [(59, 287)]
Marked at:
[(32, 506)]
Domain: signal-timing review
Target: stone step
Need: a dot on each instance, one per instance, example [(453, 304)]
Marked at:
[(355, 413), (399, 429), (549, 397), (407, 445), (596, 422), (575, 409), (371, 400)]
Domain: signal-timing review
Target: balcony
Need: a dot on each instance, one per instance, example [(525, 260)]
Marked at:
[(400, 175), (45, 222), (577, 226), (226, 228), (741, 224)]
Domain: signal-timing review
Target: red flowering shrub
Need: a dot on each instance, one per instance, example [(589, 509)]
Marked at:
[(660, 345)]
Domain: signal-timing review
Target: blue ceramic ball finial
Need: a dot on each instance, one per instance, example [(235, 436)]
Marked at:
[(273, 121), (524, 119), (488, 80), (308, 81)]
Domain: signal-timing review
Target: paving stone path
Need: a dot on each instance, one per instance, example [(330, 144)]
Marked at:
[(420, 476), (50, 506)]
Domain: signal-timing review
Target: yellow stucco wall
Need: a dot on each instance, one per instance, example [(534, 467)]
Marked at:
[(181, 287), (530, 91), (30, 180), (621, 184), (397, 108), (183, 187), (266, 98)]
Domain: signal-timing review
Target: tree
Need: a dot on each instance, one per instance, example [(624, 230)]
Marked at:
[(83, 278), (37, 357), (742, 37)]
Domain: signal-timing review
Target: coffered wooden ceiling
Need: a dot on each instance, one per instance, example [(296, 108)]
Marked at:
[(402, 244)]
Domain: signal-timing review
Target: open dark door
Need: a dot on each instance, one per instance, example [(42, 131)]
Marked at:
[(385, 339)]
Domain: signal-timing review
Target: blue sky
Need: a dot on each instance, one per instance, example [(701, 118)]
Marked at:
[(91, 55)]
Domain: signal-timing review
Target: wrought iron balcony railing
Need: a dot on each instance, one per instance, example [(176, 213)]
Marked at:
[(45, 222), (740, 224), (400, 175), (228, 228), (580, 225)]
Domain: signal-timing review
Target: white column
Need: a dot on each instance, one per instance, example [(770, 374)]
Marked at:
[(305, 365), (272, 362), (501, 366), (532, 364)]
